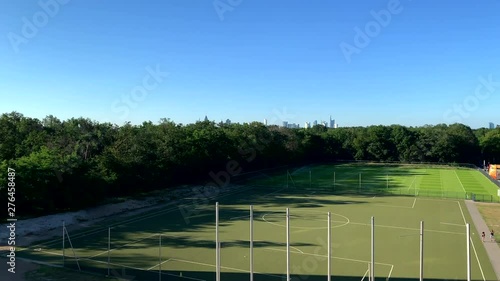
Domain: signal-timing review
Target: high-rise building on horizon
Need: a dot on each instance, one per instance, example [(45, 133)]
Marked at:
[(492, 125), (285, 124), (307, 125), (265, 122), (332, 122)]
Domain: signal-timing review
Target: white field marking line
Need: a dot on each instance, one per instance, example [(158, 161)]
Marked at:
[(297, 249), (52, 253), (78, 258), (158, 264), (133, 242), (392, 206), (396, 206), (455, 224), (472, 242), (135, 219), (308, 227), (460, 181), (363, 278), (325, 256), (477, 258), (435, 199), (411, 184), (407, 228), (136, 268), (230, 268)]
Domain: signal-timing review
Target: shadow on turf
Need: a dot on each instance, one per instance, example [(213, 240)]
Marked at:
[(137, 275)]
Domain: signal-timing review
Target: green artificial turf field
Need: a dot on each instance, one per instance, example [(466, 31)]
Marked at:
[(186, 230), (421, 180)]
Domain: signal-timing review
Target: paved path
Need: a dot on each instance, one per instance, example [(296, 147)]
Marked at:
[(491, 248)]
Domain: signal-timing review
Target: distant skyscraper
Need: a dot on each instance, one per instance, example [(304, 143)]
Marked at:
[(307, 125), (265, 122), (228, 122), (315, 122), (206, 118), (332, 122), (492, 126), (336, 125), (325, 124), (285, 124)]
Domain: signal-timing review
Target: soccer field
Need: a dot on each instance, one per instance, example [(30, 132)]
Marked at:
[(178, 242), (413, 180)]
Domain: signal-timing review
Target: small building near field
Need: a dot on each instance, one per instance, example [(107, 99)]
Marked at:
[(494, 171)]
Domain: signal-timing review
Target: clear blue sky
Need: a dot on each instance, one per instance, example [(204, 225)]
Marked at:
[(280, 60)]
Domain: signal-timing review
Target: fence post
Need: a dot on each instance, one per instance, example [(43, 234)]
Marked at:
[(63, 238), (109, 246)]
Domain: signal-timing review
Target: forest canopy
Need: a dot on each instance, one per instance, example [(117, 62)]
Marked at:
[(76, 163)]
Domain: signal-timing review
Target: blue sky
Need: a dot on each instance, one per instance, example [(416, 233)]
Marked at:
[(406, 62)]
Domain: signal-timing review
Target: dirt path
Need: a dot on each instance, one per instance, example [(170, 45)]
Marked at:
[(491, 247), (30, 231)]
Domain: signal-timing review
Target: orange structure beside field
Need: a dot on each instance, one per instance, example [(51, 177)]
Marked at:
[(494, 171)]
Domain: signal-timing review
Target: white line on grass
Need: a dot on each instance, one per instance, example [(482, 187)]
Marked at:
[(158, 264), (230, 268), (339, 258), (309, 227), (396, 206), (460, 181), (393, 206), (455, 224), (477, 258), (105, 262), (133, 242), (390, 272), (52, 253), (472, 242), (406, 228), (411, 184), (136, 268), (296, 249)]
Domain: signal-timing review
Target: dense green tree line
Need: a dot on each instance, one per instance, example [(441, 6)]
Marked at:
[(71, 164)]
